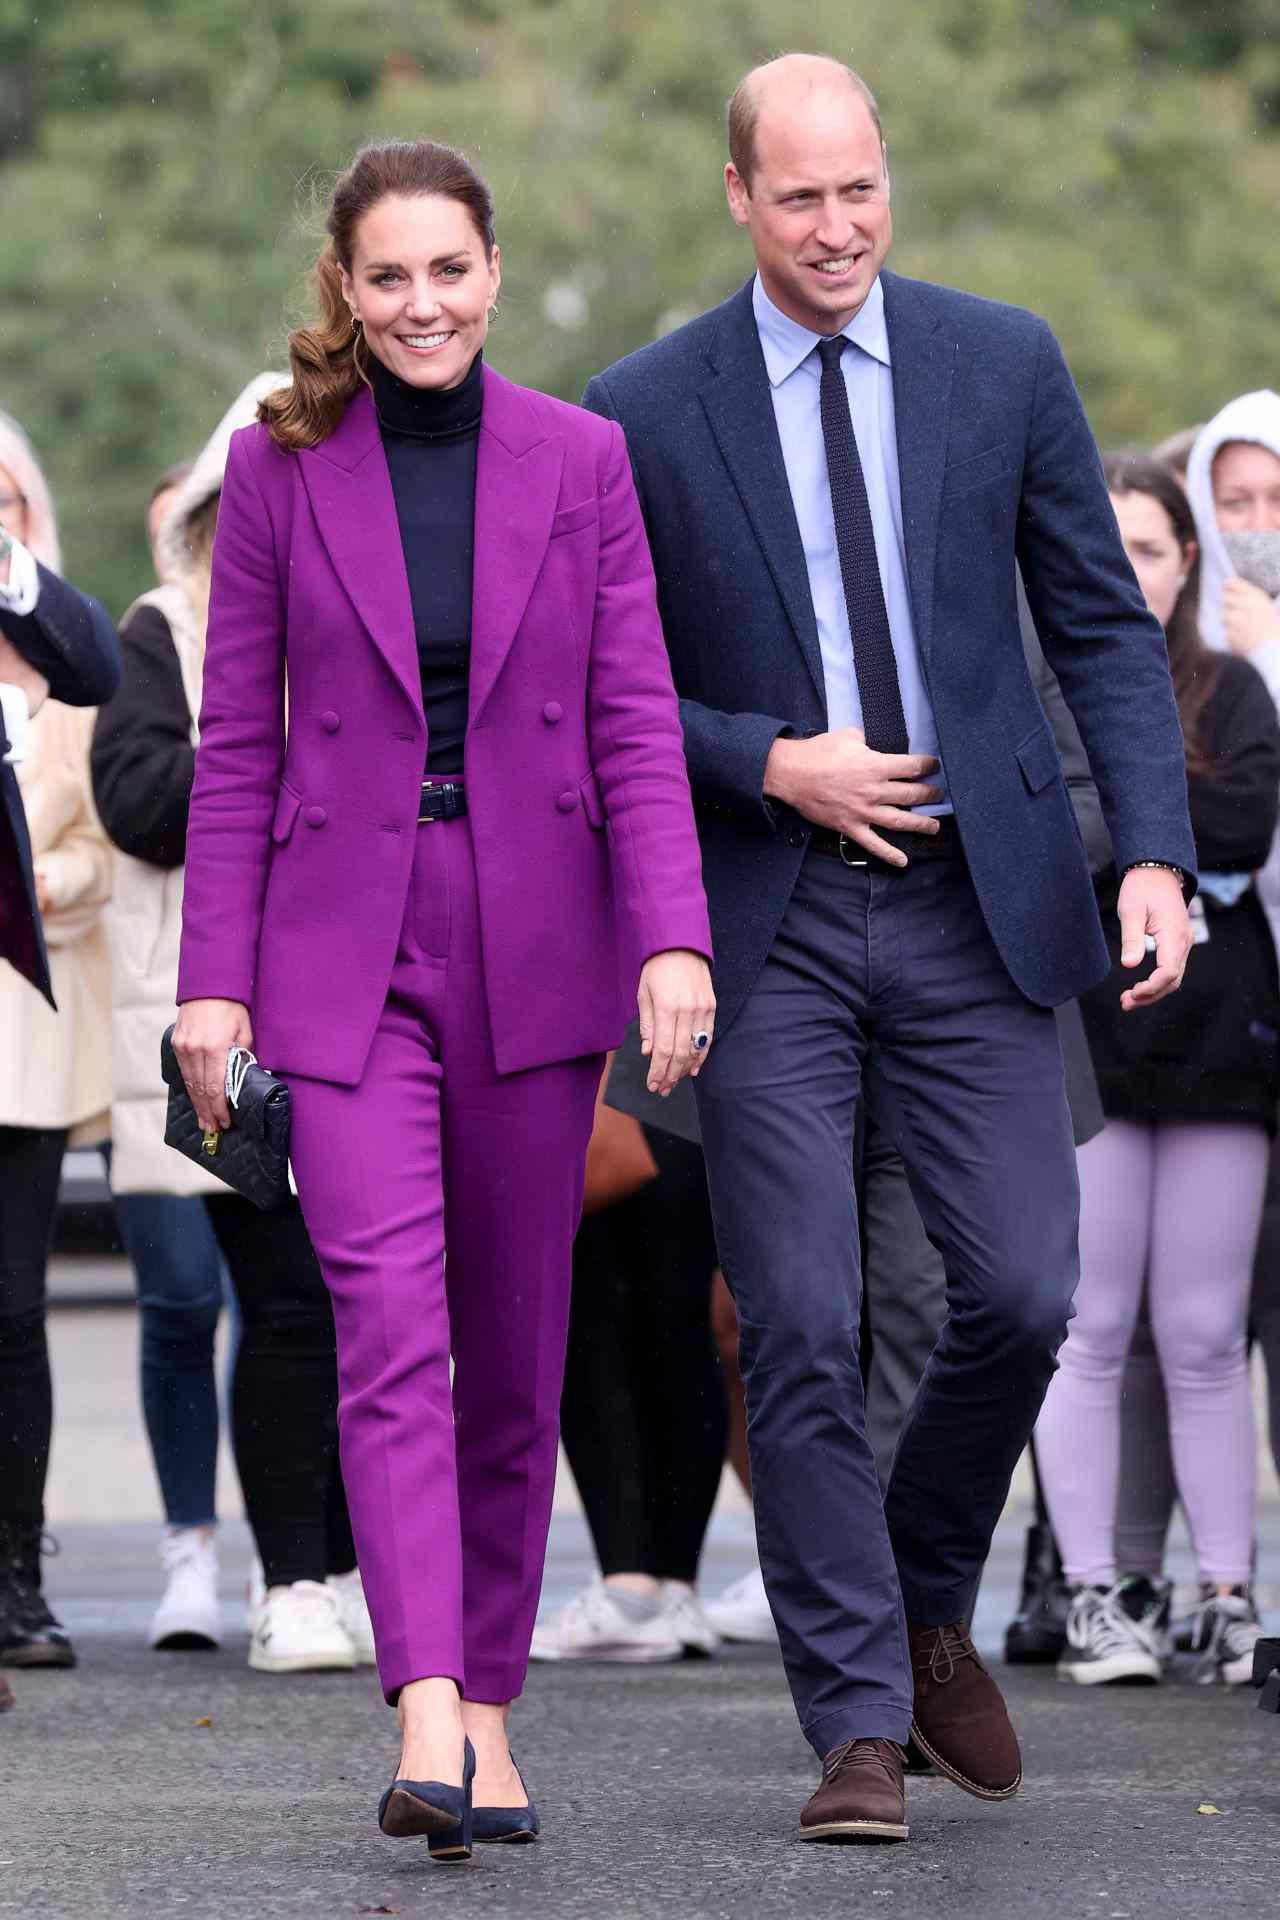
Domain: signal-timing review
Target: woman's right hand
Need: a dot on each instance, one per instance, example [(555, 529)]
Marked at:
[(204, 1036)]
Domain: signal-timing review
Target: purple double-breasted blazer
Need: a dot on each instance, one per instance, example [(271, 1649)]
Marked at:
[(304, 811)]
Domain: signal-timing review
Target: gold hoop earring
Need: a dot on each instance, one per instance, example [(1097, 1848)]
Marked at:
[(360, 360), (493, 313), (355, 321)]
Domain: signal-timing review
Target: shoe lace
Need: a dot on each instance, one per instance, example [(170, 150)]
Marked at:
[(1223, 1627), (942, 1653), (857, 1753), (1098, 1623)]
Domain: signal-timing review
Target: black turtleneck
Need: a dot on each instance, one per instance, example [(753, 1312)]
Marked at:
[(430, 439)]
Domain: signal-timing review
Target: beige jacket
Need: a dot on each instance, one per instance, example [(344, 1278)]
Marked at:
[(57, 1066), (145, 927), (145, 919)]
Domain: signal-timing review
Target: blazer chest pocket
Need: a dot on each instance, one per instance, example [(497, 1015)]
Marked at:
[(287, 807), (965, 476), (573, 519), (1038, 758)]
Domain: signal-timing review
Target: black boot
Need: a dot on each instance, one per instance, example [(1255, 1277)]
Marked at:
[(29, 1634), (1038, 1631)]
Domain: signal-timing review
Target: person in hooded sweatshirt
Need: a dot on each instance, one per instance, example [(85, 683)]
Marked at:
[(1172, 1188), (1233, 481), (177, 1221)]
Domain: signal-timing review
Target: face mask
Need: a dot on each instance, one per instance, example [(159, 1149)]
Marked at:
[(1256, 557)]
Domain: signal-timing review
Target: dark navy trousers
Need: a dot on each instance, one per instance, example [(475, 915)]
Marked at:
[(885, 983)]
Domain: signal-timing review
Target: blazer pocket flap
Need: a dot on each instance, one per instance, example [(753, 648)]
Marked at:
[(570, 519), (592, 800), (964, 475), (286, 813), (1038, 758)]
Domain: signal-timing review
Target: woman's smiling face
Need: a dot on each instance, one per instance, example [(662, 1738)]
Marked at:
[(421, 287)]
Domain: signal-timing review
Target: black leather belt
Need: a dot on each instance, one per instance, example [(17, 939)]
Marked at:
[(441, 800), (945, 844)]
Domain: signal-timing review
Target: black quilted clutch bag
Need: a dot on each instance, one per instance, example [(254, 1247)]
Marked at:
[(253, 1155)]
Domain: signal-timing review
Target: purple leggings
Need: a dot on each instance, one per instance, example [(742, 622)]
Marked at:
[(1175, 1206), (1147, 1486)]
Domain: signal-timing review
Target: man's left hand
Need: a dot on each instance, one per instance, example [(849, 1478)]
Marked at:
[(1151, 903)]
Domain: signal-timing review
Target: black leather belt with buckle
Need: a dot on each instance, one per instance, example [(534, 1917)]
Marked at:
[(945, 844), (441, 800)]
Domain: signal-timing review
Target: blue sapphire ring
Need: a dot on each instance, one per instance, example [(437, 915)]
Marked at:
[(701, 1041)]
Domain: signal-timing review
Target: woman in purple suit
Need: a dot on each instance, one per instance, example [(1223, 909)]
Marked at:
[(424, 887)]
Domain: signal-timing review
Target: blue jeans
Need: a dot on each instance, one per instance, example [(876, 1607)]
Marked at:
[(179, 1271)]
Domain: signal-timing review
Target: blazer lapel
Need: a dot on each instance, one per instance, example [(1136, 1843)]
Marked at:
[(349, 486), (518, 465), (739, 407), (923, 358)]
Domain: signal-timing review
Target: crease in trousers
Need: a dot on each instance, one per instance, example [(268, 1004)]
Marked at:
[(449, 1486), (885, 984)]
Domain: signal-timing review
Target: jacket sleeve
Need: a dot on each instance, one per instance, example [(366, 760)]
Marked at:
[(75, 866), (1104, 645), (241, 751), (143, 759), (725, 752), (70, 640), (1234, 807), (634, 731), (1075, 761)]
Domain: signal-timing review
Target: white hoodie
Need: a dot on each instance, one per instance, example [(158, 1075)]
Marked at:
[(1255, 418)]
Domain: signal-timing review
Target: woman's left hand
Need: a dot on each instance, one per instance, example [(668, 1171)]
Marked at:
[(676, 1001), (1250, 618)]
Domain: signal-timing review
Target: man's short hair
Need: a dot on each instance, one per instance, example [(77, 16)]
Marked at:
[(744, 111)]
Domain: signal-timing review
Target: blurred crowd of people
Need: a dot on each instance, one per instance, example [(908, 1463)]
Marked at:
[(1175, 1109)]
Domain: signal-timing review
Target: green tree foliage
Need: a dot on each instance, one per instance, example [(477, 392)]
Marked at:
[(1110, 165)]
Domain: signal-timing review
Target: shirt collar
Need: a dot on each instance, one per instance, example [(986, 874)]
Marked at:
[(786, 345)]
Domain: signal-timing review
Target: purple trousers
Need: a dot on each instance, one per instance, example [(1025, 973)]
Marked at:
[(449, 1487)]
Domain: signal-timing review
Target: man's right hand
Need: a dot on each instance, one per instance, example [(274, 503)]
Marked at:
[(836, 780), (204, 1036)]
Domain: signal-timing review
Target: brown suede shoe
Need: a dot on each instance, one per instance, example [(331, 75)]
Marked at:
[(861, 1796), (6, 1696), (960, 1721)]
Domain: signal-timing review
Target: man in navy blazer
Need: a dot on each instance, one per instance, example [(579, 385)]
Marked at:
[(840, 470), (58, 643)]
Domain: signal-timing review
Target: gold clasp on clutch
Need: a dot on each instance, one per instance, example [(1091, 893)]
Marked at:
[(211, 1141)]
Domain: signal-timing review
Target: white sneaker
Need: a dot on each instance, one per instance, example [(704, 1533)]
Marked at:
[(1105, 1642), (1224, 1631), (299, 1629), (742, 1612), (354, 1614), (687, 1618), (188, 1615), (591, 1627)]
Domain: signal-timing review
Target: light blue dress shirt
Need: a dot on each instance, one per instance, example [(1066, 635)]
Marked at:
[(794, 370)]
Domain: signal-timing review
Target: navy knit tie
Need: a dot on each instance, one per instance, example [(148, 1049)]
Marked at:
[(883, 721)]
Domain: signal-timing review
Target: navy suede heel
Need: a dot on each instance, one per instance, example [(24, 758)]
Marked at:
[(514, 1825), (428, 1807)]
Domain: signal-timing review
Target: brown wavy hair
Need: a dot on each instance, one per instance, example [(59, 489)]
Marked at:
[(327, 359), (1193, 665)]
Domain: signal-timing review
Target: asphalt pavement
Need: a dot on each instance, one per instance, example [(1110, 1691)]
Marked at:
[(146, 1783)]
